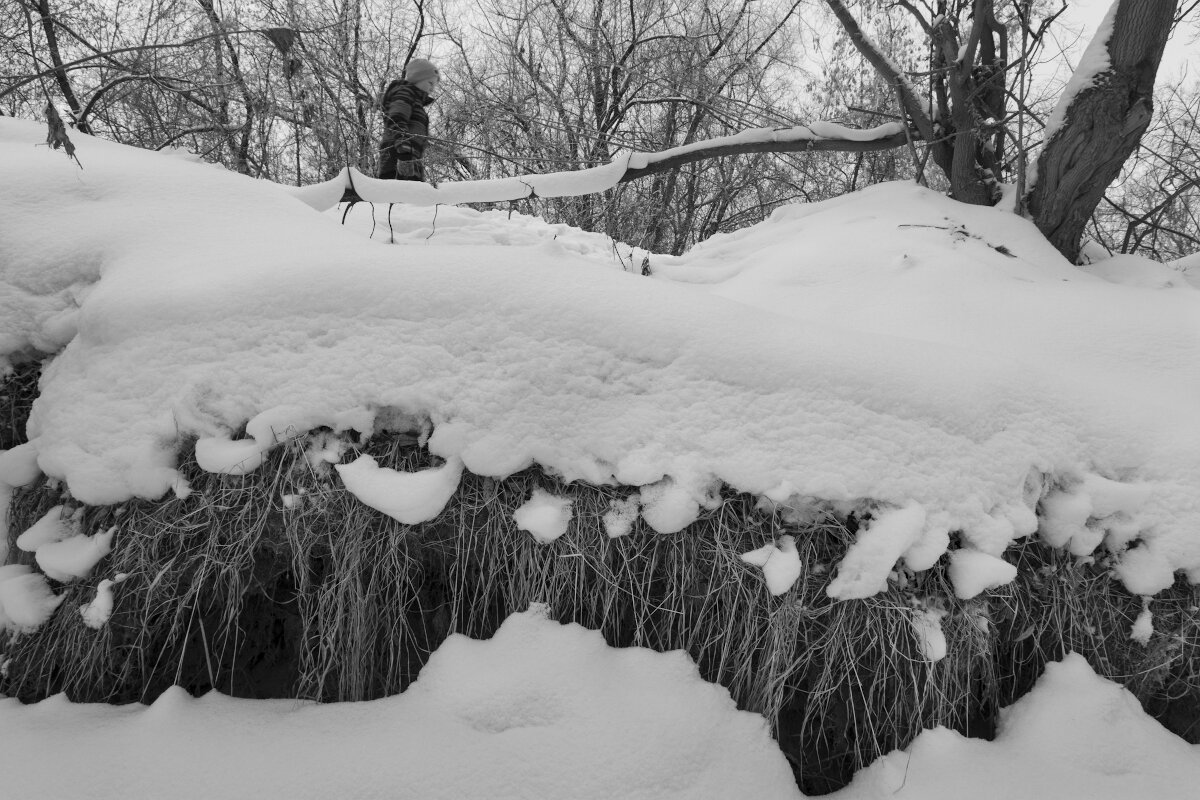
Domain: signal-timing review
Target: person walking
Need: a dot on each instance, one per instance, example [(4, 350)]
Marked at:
[(406, 123)]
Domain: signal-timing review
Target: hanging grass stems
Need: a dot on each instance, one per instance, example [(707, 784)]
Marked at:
[(283, 584)]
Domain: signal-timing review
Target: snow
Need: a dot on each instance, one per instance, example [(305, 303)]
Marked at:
[(669, 506), (996, 319), (1075, 735), (325, 195), (26, 601), (227, 456), (885, 350), (973, 572), (410, 497), (936, 369), (287, 421), (927, 624), (544, 516), (620, 517), (1145, 273), (1143, 626), (543, 711), (1082, 515), (798, 133), (18, 467), (780, 564), (540, 711), (555, 184), (96, 613), (55, 525), (867, 564), (74, 557), (1189, 266)]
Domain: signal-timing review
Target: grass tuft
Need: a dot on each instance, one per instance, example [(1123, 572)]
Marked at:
[(282, 584), (18, 388)]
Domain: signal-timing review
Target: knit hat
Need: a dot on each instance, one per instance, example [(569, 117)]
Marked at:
[(420, 69)]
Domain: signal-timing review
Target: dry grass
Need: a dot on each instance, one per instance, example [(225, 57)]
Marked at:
[(1060, 604), (17, 390), (234, 589)]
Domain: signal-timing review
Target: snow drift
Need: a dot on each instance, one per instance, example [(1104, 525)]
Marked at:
[(544, 711), (880, 353), (540, 710)]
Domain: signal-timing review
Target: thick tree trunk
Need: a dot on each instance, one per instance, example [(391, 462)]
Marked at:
[(1103, 126)]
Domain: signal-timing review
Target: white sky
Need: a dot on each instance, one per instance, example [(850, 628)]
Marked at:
[(1086, 15)]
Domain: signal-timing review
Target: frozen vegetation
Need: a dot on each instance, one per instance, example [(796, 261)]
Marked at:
[(936, 370)]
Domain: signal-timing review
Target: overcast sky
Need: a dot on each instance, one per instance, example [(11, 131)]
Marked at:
[(1086, 15)]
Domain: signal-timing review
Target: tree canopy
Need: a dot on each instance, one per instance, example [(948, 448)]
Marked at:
[(289, 93)]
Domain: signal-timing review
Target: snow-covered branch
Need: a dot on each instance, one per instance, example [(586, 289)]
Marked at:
[(909, 98), (351, 184)]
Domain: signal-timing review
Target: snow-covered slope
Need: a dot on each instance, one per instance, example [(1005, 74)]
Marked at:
[(539, 711), (1074, 736), (890, 351), (543, 711)]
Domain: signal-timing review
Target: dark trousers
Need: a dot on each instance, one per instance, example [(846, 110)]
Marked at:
[(389, 163)]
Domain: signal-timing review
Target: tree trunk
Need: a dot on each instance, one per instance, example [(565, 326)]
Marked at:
[(60, 74), (1104, 124)]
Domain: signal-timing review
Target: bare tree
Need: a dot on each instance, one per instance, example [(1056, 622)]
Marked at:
[(287, 91), (964, 125), (548, 85), (1154, 207)]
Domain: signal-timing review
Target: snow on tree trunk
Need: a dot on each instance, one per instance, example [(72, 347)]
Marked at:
[(1103, 121)]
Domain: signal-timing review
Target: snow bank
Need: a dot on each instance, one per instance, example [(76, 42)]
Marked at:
[(1145, 273), (541, 711), (886, 350), (544, 711), (1006, 338), (1075, 735)]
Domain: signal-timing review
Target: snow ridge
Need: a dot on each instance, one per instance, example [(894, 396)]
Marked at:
[(891, 353)]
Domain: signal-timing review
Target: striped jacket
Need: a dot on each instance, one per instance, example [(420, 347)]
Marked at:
[(405, 121)]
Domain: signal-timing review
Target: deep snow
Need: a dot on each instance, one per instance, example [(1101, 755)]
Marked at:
[(548, 711), (935, 366), (540, 710), (889, 352)]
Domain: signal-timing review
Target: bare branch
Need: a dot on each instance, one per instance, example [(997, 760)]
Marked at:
[(885, 67)]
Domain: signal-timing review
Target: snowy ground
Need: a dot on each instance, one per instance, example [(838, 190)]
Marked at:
[(549, 712), (891, 352)]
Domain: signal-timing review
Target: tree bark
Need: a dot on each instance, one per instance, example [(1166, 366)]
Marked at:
[(1104, 124)]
